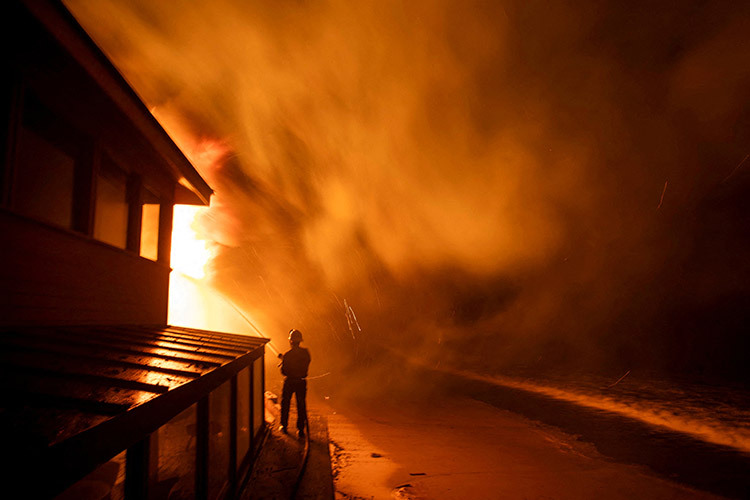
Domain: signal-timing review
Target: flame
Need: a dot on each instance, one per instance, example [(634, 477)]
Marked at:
[(190, 254), (192, 300)]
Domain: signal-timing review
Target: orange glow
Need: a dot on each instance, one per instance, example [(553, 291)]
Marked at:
[(192, 300), (150, 231), (674, 418), (480, 178), (189, 253), (193, 303)]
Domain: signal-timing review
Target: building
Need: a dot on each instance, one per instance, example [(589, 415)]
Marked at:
[(102, 399)]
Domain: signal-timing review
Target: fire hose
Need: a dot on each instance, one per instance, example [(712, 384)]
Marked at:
[(303, 463)]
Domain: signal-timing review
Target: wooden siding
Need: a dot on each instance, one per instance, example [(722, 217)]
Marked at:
[(52, 276)]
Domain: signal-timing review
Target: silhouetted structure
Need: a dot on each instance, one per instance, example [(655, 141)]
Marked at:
[(102, 399)]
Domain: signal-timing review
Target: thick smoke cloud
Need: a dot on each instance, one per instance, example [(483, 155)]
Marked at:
[(498, 184)]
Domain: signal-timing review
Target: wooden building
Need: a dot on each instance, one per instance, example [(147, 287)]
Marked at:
[(101, 398)]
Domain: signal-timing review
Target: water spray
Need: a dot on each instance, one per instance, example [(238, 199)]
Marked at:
[(234, 306)]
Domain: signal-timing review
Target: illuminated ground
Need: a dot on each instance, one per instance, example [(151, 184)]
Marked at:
[(459, 448)]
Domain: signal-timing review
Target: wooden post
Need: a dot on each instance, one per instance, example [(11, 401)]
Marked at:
[(135, 213), (137, 468), (84, 189), (251, 389), (201, 450), (10, 112), (165, 232), (262, 361), (233, 438)]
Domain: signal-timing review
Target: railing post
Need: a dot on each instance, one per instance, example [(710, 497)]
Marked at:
[(251, 389), (262, 360), (137, 466), (233, 438), (201, 450)]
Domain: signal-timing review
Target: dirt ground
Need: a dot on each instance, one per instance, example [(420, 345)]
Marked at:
[(459, 448)]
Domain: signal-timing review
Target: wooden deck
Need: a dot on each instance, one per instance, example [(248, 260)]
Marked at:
[(77, 396)]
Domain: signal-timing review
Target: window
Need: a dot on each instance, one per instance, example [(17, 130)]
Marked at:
[(150, 226), (43, 187), (106, 481), (111, 209), (45, 171), (174, 445), (61, 176), (259, 410), (243, 415), (218, 442)]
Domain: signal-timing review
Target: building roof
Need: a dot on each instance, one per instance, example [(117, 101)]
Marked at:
[(58, 21), (88, 392)]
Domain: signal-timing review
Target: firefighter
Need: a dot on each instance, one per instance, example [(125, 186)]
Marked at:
[(294, 365)]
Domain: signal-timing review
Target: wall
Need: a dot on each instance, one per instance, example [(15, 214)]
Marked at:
[(54, 276)]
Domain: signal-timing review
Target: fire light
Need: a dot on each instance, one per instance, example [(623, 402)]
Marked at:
[(193, 302), (189, 253)]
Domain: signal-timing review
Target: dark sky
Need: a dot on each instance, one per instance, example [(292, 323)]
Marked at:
[(498, 184)]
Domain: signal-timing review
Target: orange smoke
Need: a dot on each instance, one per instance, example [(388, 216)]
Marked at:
[(489, 170), (192, 301)]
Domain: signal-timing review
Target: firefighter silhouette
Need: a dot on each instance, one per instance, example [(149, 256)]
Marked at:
[(294, 365)]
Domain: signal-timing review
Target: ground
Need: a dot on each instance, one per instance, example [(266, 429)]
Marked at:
[(459, 448)]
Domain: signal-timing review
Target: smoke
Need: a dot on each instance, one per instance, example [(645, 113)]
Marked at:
[(489, 183)]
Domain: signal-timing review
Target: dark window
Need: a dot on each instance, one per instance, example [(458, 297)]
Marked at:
[(243, 415), (218, 444), (111, 209), (48, 162), (174, 444), (44, 180), (106, 481), (259, 411)]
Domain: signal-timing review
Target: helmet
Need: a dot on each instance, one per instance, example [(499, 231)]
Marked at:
[(295, 336)]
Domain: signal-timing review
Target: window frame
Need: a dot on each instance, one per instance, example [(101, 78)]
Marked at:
[(29, 111), (24, 107)]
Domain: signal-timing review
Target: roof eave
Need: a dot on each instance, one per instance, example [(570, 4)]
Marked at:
[(74, 39)]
